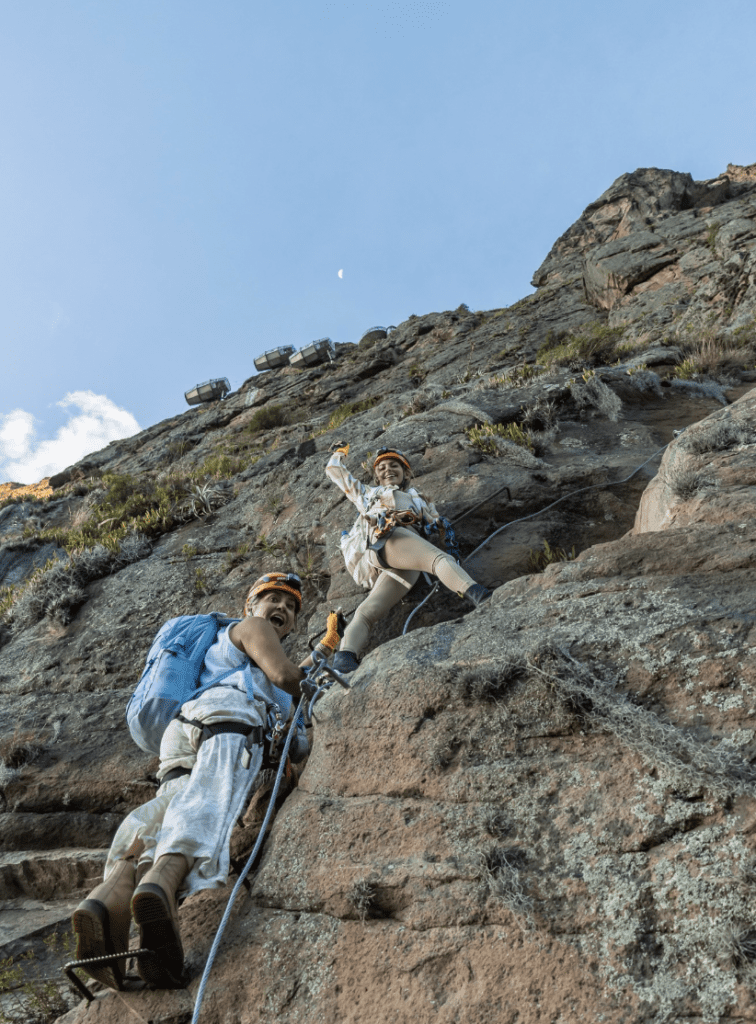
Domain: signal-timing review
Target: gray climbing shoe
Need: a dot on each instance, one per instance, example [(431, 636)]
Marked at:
[(345, 661), (477, 594)]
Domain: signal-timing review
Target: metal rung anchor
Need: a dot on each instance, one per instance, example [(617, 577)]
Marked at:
[(314, 685), (109, 958)]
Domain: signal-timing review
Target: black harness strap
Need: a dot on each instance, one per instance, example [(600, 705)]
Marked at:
[(175, 773), (255, 733)]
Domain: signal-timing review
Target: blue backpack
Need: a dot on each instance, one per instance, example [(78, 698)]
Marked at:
[(171, 677)]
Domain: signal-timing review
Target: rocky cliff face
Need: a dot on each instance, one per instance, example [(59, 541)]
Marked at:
[(540, 811)]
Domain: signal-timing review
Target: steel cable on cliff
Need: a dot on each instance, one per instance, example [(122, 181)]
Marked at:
[(240, 881), (522, 519)]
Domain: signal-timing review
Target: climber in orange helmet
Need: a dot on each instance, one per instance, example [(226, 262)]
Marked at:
[(384, 550)]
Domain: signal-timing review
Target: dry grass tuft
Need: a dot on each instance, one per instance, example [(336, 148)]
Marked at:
[(362, 897), (501, 873)]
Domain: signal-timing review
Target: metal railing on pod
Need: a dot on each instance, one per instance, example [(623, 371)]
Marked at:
[(373, 334), (274, 358), (208, 392), (320, 351)]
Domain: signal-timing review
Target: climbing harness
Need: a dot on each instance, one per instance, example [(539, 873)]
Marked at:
[(388, 521), (255, 736), (315, 690), (522, 519)]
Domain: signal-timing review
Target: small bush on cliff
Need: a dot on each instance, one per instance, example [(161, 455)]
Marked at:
[(485, 438), (20, 747), (268, 418), (538, 560), (711, 350), (745, 335), (590, 392), (222, 466), (424, 398), (362, 896), (342, 414), (540, 416), (29, 999), (718, 436), (56, 591), (594, 343), (686, 483), (145, 506), (711, 236), (678, 751), (501, 873), (688, 369), (521, 375)]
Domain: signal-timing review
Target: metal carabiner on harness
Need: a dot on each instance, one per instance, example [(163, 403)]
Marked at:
[(277, 732)]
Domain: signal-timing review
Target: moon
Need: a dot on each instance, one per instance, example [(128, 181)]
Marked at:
[(341, 273)]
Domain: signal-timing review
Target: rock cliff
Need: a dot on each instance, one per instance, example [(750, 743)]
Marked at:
[(539, 811)]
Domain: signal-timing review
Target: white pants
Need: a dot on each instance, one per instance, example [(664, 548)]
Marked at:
[(194, 814)]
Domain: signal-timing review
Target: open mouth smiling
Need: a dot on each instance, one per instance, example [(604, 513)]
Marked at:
[(277, 619)]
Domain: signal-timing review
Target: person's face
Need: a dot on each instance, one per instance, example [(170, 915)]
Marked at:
[(389, 471), (279, 609)]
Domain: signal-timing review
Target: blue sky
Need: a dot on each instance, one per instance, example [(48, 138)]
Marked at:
[(182, 180)]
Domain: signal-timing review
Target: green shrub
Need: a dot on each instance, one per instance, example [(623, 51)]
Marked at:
[(538, 560), (590, 392), (342, 414), (518, 377), (269, 417), (25, 1001), (596, 343), (688, 369), (142, 505), (235, 556), (56, 590), (484, 437), (717, 436), (745, 335), (711, 236), (6, 599), (201, 582), (220, 466), (686, 483)]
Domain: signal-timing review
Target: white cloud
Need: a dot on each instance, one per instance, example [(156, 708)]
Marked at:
[(26, 459)]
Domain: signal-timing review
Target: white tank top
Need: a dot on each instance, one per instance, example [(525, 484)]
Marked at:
[(225, 662)]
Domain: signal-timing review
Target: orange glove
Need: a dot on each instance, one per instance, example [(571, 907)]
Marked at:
[(343, 449), (334, 632)]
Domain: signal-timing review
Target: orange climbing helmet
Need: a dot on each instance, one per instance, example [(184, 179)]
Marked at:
[(287, 582), (392, 453)]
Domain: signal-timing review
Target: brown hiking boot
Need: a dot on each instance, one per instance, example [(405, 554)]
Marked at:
[(155, 913), (101, 924)]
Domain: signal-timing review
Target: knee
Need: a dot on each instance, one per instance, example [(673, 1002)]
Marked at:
[(439, 559), (366, 616)]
